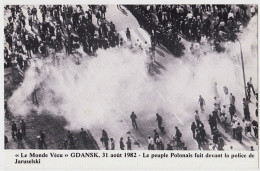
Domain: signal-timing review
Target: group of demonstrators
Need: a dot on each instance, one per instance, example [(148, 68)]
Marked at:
[(19, 134), (218, 120), (67, 29), (196, 23), (154, 143), (59, 28)]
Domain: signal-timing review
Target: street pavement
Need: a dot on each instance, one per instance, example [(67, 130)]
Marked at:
[(122, 127)]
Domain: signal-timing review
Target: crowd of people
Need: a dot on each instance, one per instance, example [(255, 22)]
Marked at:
[(218, 120), (62, 28), (196, 23), (66, 28)]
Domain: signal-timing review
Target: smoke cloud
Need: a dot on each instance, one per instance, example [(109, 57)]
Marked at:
[(116, 82)]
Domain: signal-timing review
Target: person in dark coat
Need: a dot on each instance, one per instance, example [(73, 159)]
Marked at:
[(193, 128), (42, 136), (105, 138), (178, 136), (232, 111), (159, 120), (133, 118), (6, 142), (19, 137), (71, 140), (122, 145), (128, 34), (23, 127), (239, 131), (14, 128), (83, 135), (255, 128), (129, 143)]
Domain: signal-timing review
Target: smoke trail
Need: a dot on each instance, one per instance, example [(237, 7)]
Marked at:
[(116, 82)]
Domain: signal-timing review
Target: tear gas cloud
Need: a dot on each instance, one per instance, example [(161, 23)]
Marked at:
[(116, 82)]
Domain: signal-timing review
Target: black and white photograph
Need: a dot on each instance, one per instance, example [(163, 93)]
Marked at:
[(131, 77)]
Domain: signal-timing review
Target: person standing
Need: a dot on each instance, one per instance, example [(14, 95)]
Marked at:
[(6, 142), (239, 131), (105, 138), (232, 111), (221, 144), (223, 111), (234, 128), (39, 141), (250, 85), (128, 34), (42, 136), (159, 120), (246, 109), (23, 127), (159, 143), (150, 143), (121, 143), (70, 137), (112, 142), (255, 128), (247, 127), (133, 118), (129, 143), (14, 129), (212, 123), (197, 117), (178, 136), (83, 135), (201, 102), (232, 99), (193, 128), (19, 137), (198, 138)]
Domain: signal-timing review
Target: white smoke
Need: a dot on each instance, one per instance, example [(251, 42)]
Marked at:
[(116, 82)]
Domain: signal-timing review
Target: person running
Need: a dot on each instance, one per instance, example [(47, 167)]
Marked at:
[(133, 118), (202, 103), (121, 143)]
